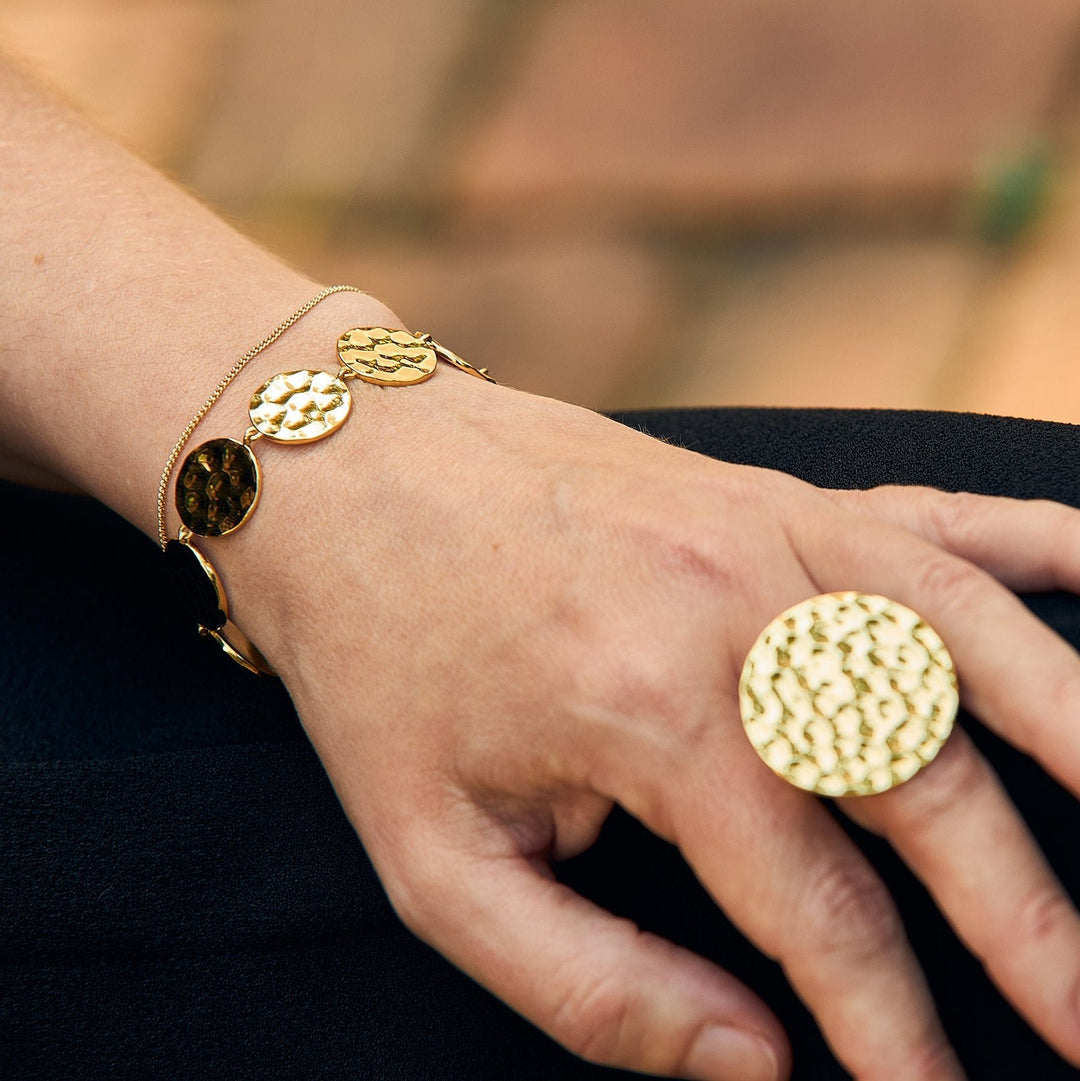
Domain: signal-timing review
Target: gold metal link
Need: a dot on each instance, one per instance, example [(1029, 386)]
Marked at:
[(227, 378), (458, 362), (220, 479)]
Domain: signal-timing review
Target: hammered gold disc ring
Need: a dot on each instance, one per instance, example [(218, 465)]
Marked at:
[(848, 694)]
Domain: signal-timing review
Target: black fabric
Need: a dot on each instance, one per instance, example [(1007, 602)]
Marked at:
[(181, 896)]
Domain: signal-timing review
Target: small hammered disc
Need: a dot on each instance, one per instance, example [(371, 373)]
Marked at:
[(387, 357), (217, 487), (298, 407), (848, 694)]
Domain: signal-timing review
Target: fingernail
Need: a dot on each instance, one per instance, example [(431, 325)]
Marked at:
[(729, 1054)]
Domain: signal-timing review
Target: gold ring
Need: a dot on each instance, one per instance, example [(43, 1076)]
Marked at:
[(848, 694)]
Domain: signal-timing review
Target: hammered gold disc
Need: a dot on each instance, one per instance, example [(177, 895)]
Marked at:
[(301, 406), (848, 694), (217, 487), (387, 357)]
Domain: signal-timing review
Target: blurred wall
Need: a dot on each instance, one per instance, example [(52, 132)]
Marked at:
[(639, 202)]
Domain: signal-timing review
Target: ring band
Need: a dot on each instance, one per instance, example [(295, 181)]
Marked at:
[(848, 694)]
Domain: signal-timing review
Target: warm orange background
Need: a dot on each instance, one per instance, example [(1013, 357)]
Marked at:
[(639, 202)]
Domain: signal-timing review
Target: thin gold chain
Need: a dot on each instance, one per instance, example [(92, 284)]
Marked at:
[(229, 376)]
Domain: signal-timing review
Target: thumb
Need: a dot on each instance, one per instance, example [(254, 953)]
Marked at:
[(606, 990)]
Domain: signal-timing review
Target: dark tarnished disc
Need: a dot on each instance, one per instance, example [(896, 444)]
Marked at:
[(196, 585), (217, 487)]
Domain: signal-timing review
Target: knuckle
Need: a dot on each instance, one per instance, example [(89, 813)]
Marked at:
[(686, 548), (951, 579), (931, 1058), (951, 516), (1061, 692), (1044, 914), (647, 685), (635, 685), (697, 562), (1062, 520), (944, 787), (847, 909), (886, 496), (610, 1018), (595, 1020)]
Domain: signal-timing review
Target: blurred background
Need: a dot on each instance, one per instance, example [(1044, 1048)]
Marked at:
[(639, 202)]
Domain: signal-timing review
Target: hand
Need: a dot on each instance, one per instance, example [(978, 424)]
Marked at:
[(498, 615)]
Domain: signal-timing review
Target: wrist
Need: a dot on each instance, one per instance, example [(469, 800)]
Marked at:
[(137, 398), (285, 411), (322, 484)]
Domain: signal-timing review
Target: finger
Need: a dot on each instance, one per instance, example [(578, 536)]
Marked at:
[(1019, 677), (1028, 544), (809, 898), (601, 987), (958, 831), (1016, 675)]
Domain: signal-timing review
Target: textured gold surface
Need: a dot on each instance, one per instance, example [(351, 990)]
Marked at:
[(300, 406), (848, 694), (217, 487), (388, 358), (226, 379)]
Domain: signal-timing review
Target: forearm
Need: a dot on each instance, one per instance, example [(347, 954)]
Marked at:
[(124, 301)]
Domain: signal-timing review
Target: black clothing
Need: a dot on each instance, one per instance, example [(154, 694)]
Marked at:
[(182, 897)]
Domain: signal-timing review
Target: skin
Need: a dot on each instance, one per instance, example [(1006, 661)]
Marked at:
[(498, 615)]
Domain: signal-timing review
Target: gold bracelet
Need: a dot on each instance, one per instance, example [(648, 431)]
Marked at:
[(226, 379), (219, 482)]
